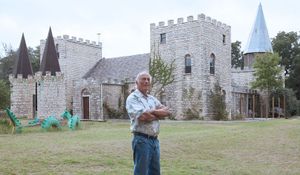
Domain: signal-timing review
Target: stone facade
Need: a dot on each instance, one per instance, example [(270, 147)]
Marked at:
[(76, 57), (51, 94), (200, 49), (111, 93), (201, 39), (107, 82), (22, 96)]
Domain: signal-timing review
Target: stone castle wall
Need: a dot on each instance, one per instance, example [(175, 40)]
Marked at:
[(243, 77), (51, 94), (76, 57), (22, 95), (110, 92), (199, 38)]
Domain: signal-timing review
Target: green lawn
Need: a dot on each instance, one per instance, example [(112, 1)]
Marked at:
[(191, 147)]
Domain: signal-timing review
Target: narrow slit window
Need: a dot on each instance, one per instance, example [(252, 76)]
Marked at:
[(163, 38), (224, 39), (188, 63), (212, 64)]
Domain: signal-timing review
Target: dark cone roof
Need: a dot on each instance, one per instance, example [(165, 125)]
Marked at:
[(22, 63), (50, 58)]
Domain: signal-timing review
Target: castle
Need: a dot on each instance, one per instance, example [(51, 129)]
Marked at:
[(74, 75)]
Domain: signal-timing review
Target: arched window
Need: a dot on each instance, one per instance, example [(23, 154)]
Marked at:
[(212, 64), (85, 93), (188, 63)]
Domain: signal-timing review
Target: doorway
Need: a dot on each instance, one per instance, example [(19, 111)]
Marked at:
[(86, 106)]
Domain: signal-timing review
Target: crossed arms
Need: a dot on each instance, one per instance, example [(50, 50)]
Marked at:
[(155, 114)]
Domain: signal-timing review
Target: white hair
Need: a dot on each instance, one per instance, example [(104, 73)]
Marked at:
[(140, 74)]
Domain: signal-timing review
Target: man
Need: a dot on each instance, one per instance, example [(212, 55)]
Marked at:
[(145, 111)]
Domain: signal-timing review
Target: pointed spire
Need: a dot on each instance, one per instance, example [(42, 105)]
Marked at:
[(50, 58), (22, 63), (259, 40)]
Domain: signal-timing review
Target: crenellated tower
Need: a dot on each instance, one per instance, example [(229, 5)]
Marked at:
[(22, 84), (75, 56), (50, 83), (201, 50)]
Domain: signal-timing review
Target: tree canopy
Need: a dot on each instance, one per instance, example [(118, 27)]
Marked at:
[(161, 72), (293, 80), (236, 55), (288, 47), (268, 75), (8, 61), (267, 72)]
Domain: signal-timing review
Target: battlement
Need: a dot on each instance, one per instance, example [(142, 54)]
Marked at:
[(20, 78), (48, 76), (79, 41), (190, 19)]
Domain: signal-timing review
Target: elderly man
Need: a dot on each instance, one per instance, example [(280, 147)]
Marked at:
[(145, 111)]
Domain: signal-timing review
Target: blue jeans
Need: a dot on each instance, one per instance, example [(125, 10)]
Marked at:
[(146, 156)]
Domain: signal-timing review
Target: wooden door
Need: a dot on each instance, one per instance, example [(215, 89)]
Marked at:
[(86, 106)]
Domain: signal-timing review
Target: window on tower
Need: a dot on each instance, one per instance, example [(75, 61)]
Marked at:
[(163, 38), (212, 64), (224, 39), (188, 63), (56, 47)]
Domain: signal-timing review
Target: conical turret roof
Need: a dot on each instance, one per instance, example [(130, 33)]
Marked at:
[(259, 40), (22, 63), (50, 58)]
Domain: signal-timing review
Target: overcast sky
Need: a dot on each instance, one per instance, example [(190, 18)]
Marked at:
[(125, 24)]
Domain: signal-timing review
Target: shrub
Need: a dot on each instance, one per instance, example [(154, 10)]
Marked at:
[(5, 126), (113, 113), (218, 104), (191, 114)]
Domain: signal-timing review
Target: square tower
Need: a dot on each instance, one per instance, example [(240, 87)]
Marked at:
[(201, 49), (76, 57)]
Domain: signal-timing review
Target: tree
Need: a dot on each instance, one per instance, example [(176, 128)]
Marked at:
[(236, 55), (293, 80), (218, 103), (4, 95), (288, 47), (161, 72), (267, 74), (34, 56), (7, 62)]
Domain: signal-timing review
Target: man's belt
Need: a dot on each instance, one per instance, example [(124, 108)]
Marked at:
[(145, 135)]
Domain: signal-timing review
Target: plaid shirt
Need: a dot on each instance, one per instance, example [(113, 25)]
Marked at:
[(136, 105)]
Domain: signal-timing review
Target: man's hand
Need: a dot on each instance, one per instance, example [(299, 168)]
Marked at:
[(147, 117), (161, 112), (156, 114)]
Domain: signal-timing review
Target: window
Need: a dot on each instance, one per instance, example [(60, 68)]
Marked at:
[(188, 63), (212, 64), (163, 38), (224, 39), (56, 47)]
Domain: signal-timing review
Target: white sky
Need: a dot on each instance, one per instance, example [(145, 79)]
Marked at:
[(125, 24)]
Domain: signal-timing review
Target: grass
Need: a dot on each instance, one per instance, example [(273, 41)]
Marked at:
[(187, 148)]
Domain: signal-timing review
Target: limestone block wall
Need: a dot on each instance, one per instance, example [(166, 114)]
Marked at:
[(113, 95), (76, 57), (242, 77), (199, 38), (22, 92), (110, 92), (92, 89), (50, 94)]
